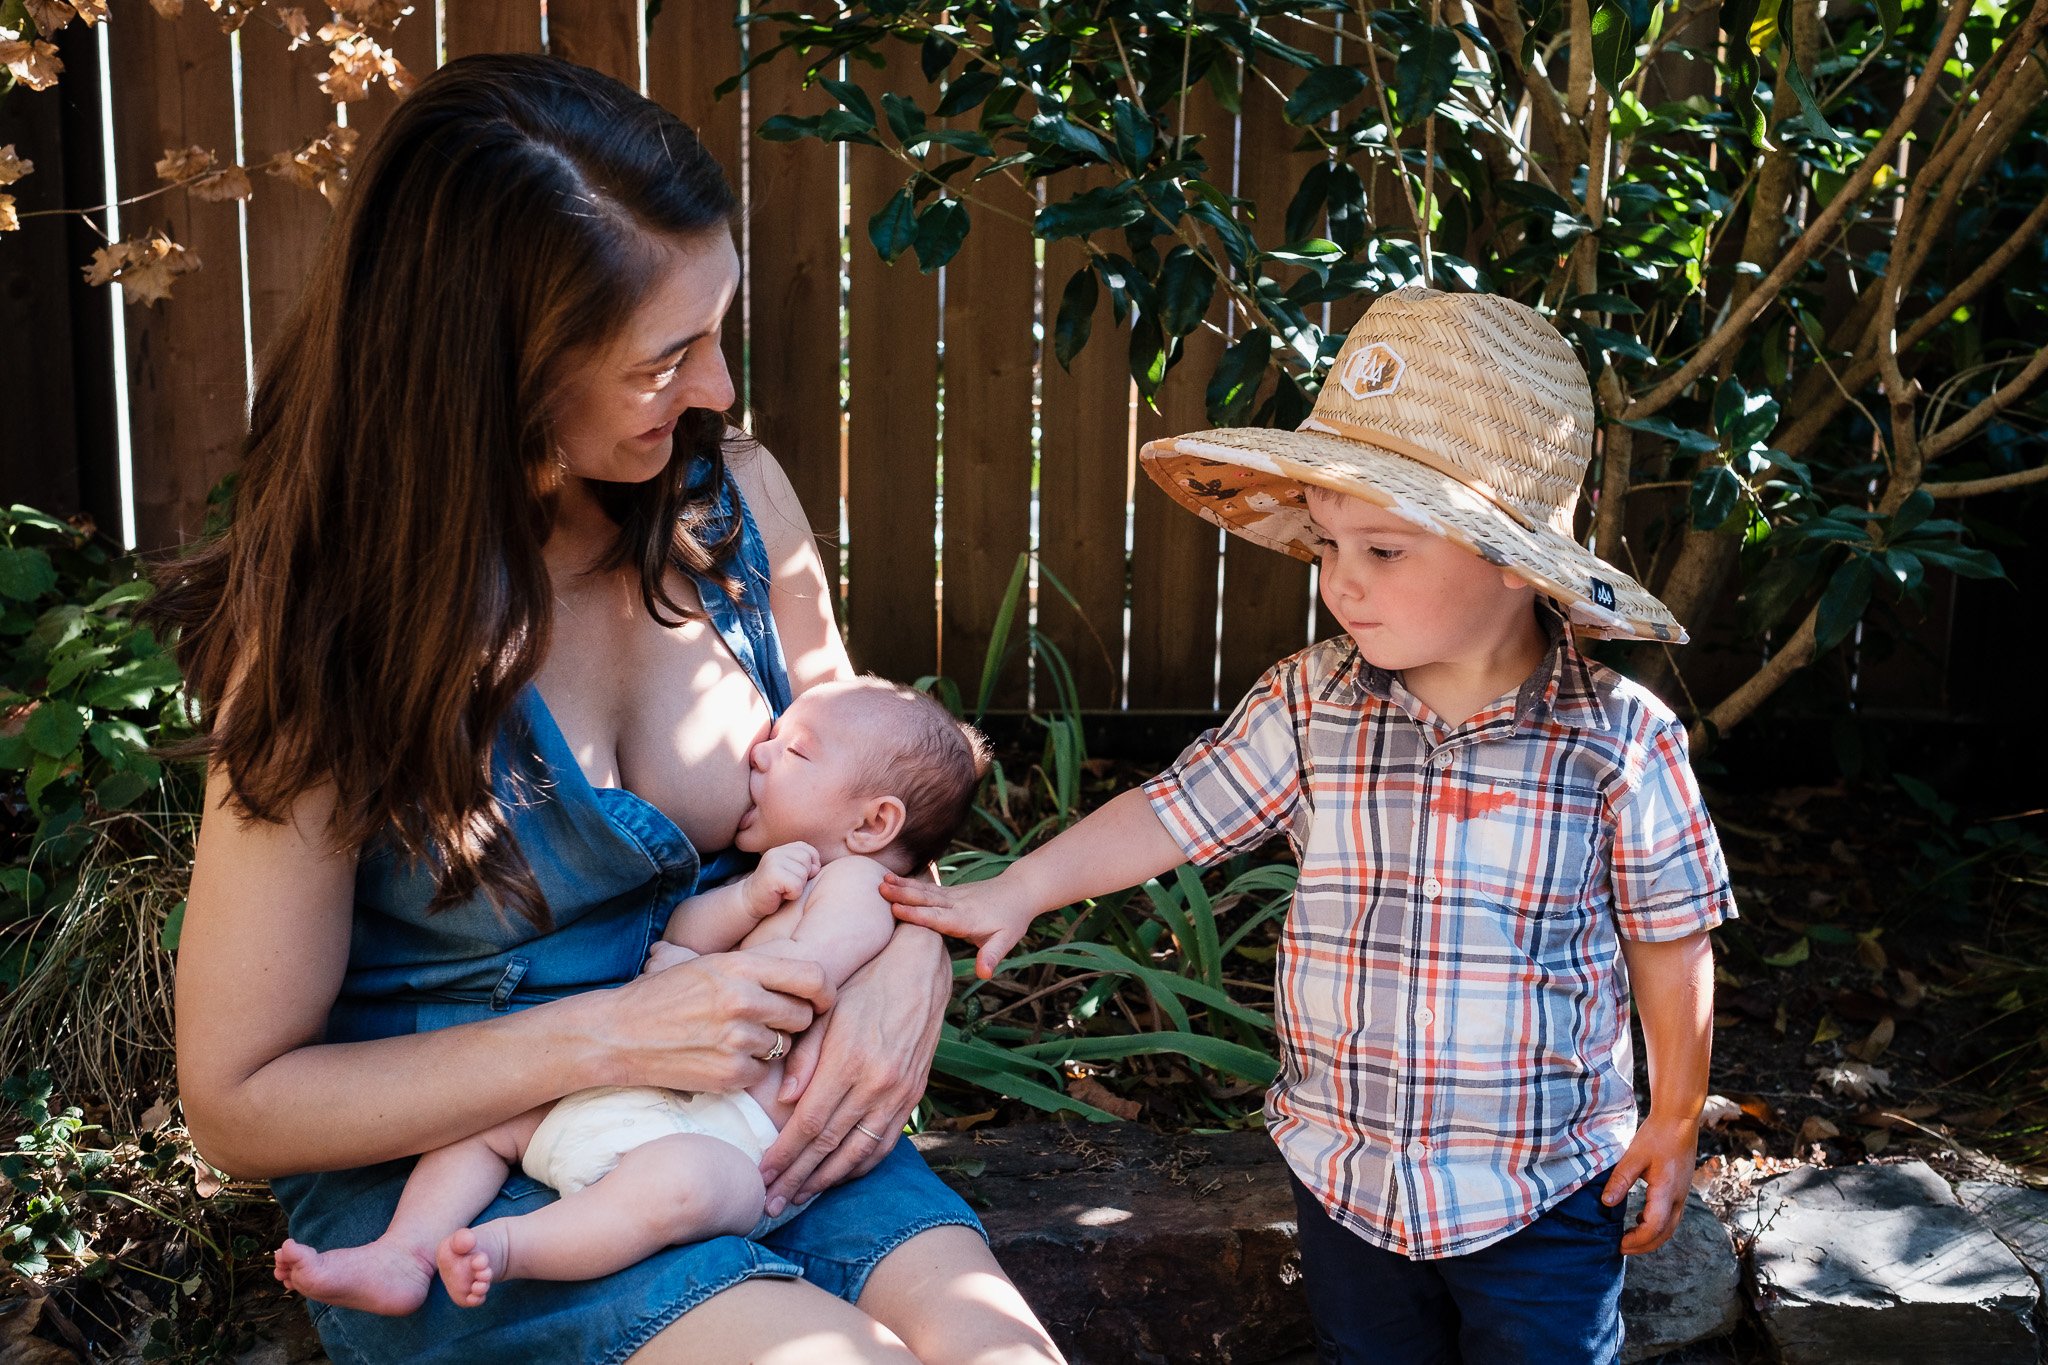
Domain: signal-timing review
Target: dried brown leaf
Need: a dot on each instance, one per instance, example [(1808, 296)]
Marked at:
[(156, 1116), (10, 221), (295, 26), (92, 11), (1910, 992), (49, 15), (179, 164), (145, 266), (230, 182), (12, 167), (1816, 1129), (1870, 952), (34, 63), (1719, 1109), (1872, 1047), (1854, 1080), (1088, 1090), (168, 9)]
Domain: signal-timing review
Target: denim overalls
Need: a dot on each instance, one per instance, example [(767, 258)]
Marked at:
[(612, 867)]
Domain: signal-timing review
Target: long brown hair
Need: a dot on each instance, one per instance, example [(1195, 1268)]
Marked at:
[(379, 598)]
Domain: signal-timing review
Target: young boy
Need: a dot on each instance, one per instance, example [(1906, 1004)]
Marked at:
[(1497, 839), (856, 780)]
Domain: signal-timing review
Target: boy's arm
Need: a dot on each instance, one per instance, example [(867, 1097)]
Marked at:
[(845, 921), (1673, 985), (716, 920), (1122, 844)]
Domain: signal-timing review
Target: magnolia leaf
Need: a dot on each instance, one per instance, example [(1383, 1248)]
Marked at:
[(1423, 74), (965, 92), (894, 226), (1076, 316), (1186, 284), (1135, 134), (1148, 354), (853, 97), (941, 228), (1844, 601), (1106, 206), (1060, 131), (1237, 377), (1323, 92), (1716, 492)]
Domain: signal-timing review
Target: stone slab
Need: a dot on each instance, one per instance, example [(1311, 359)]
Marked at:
[(1880, 1265), (1687, 1290)]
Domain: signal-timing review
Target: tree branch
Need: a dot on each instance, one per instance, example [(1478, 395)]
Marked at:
[(1975, 420), (1997, 483), (1738, 705), (1809, 241)]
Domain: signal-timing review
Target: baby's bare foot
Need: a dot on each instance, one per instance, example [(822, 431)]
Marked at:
[(379, 1277), (471, 1259)]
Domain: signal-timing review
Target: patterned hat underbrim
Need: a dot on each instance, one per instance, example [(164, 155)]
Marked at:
[(1248, 481)]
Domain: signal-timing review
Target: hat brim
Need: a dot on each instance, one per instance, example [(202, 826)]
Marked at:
[(1248, 480)]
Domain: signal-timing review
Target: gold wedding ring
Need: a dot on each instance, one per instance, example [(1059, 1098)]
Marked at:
[(781, 1048)]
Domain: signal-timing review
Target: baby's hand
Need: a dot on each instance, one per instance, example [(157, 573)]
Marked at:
[(988, 913), (781, 877)]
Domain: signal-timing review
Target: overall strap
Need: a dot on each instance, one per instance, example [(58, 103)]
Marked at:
[(747, 625)]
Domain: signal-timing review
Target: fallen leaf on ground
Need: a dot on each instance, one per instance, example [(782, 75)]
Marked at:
[(1910, 992), (1816, 1129), (1875, 1140), (156, 1116), (960, 1123), (1854, 1080), (1718, 1110), (1871, 1048), (1088, 1090), (1827, 1030)]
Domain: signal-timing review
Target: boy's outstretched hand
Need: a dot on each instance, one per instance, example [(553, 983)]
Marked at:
[(1663, 1155), (986, 913)]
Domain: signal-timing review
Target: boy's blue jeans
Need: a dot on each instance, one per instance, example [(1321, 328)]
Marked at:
[(1547, 1295)]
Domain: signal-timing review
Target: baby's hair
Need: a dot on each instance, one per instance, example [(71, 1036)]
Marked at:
[(931, 761)]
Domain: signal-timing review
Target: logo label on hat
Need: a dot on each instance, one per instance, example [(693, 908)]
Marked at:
[(1372, 371), (1603, 593)]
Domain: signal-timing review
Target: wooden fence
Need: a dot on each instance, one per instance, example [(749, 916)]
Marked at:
[(955, 443)]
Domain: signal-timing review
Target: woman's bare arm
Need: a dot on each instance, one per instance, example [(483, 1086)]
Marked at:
[(260, 963)]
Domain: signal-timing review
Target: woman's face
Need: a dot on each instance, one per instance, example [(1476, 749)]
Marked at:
[(616, 417)]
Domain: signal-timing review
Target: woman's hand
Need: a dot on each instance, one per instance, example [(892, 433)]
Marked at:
[(706, 1023), (861, 1071)]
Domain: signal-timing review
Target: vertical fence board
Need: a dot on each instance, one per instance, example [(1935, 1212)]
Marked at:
[(42, 448), (282, 106), (491, 26), (1083, 479), (413, 39), (186, 374), (690, 49), (601, 34), (1173, 551), (892, 481), (987, 482), (1265, 593), (793, 276)]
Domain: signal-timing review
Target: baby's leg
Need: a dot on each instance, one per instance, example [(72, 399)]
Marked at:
[(681, 1188), (391, 1275)]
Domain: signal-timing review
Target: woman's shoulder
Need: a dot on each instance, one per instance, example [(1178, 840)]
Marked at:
[(771, 499)]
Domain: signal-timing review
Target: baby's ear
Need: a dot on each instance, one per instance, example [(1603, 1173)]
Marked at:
[(881, 821)]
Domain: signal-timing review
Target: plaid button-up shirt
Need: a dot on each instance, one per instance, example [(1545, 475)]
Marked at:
[(1452, 1003)]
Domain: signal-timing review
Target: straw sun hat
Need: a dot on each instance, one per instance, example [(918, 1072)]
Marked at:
[(1465, 413)]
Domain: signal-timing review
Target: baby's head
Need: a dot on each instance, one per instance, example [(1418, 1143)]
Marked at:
[(864, 766)]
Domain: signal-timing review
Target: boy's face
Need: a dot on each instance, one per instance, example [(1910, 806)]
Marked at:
[(1409, 597), (808, 772)]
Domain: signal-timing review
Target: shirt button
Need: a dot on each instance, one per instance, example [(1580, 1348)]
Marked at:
[(1424, 1016), (1418, 1150), (1442, 759), (1432, 888)]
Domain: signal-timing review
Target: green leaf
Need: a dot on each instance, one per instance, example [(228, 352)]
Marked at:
[(894, 227), (54, 728), (941, 228), (134, 590), (1076, 316), (1136, 135), (1889, 15), (1323, 92), (117, 739), (1186, 284), (1915, 509), (67, 669), (853, 97), (1716, 492), (1843, 603), (1059, 131), (1614, 45), (118, 790), (1148, 354), (1745, 420), (1810, 117), (1236, 381), (25, 573), (1423, 74), (1690, 441), (965, 92), (1106, 206), (1792, 956), (906, 120), (789, 128)]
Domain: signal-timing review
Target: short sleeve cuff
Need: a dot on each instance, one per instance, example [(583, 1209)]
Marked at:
[(1680, 917), (1183, 818)]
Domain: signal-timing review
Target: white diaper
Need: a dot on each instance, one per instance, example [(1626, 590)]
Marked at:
[(586, 1133)]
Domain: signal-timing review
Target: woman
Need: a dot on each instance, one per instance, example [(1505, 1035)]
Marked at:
[(479, 663)]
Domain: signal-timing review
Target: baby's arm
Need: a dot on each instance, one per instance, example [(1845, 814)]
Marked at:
[(1120, 845), (844, 922), (716, 920)]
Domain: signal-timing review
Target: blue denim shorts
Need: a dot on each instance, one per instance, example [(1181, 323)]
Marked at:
[(836, 1242)]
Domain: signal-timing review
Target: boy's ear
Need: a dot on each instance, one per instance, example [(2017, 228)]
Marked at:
[(881, 821), (1515, 580)]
